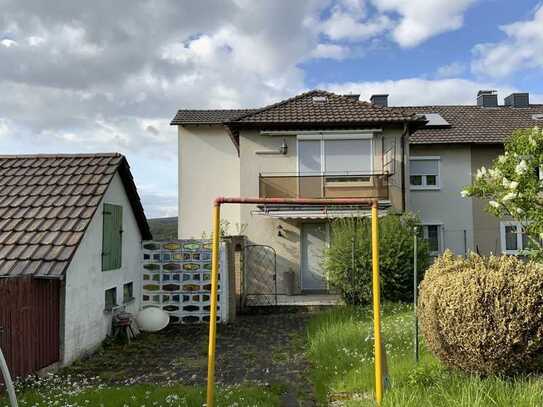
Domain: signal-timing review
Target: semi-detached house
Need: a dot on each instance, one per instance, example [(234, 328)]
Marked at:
[(320, 144)]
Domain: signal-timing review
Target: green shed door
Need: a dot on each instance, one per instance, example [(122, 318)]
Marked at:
[(112, 240)]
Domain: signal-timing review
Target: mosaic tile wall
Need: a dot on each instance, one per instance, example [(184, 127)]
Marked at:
[(177, 278)]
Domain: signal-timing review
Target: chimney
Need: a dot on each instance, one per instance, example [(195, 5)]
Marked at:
[(517, 100), (379, 100), (487, 98), (353, 97)]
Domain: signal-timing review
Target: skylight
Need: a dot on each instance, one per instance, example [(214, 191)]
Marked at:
[(435, 120)]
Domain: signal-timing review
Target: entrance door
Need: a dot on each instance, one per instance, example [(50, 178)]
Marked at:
[(314, 238)]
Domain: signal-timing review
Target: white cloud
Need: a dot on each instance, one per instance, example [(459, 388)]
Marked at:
[(415, 91), (331, 51), (423, 19), (454, 69), (6, 42), (349, 21), (408, 22), (522, 49)]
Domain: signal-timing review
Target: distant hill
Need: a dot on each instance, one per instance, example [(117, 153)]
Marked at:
[(163, 228)]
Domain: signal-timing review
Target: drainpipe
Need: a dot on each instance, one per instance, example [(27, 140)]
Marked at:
[(404, 132)]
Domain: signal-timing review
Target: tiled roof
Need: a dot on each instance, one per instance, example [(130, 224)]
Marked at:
[(318, 106), (187, 116), (314, 107), (474, 124), (46, 204)]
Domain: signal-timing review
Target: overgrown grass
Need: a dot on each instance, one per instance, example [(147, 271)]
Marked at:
[(341, 350), (77, 392)]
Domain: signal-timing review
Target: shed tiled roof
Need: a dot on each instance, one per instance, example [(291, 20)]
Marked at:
[(310, 108), (218, 116), (46, 204), (474, 124)]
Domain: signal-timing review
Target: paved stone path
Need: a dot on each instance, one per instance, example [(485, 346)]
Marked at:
[(259, 349)]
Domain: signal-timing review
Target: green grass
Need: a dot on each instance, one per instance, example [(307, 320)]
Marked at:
[(143, 395), (341, 350)]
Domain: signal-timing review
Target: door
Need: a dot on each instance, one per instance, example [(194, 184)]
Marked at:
[(314, 242)]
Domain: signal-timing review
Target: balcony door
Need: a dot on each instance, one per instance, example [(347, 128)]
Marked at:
[(333, 162)]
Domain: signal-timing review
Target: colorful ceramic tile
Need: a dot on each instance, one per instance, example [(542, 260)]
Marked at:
[(171, 246), (151, 246), (192, 246), (171, 266)]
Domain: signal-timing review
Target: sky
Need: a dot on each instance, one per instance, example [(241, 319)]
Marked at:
[(103, 76)]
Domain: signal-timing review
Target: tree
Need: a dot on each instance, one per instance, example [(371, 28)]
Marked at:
[(513, 185)]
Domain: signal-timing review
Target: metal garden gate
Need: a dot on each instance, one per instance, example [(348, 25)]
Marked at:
[(260, 276)]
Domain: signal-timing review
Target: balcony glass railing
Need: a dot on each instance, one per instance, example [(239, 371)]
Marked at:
[(324, 186)]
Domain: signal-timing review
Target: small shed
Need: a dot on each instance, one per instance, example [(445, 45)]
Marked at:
[(71, 228)]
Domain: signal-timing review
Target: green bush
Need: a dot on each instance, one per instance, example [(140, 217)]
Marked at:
[(483, 315), (351, 240)]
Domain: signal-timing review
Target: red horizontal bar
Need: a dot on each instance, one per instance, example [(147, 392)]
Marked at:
[(297, 201)]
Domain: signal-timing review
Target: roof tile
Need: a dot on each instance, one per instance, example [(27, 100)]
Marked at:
[(474, 124), (45, 208)]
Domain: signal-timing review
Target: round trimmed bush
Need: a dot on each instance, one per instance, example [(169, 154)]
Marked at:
[(483, 315)]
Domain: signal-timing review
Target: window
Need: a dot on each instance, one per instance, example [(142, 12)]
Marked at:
[(112, 238), (433, 235), (111, 299), (128, 292), (335, 155), (424, 172), (513, 239)]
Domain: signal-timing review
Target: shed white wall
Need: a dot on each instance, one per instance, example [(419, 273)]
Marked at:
[(446, 206), (85, 322), (209, 167)]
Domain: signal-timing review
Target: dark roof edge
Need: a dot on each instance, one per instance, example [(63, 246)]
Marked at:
[(490, 142), (133, 197), (64, 155)]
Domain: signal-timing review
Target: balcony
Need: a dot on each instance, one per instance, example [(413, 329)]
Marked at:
[(373, 186)]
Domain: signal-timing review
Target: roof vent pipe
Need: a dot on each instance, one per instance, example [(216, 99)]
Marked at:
[(487, 98), (379, 100), (517, 100)]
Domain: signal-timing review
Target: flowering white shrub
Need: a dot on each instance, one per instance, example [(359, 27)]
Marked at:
[(513, 186)]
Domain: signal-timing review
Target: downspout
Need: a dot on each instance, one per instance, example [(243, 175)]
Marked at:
[(404, 132)]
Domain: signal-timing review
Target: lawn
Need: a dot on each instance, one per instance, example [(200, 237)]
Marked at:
[(69, 391), (340, 347)]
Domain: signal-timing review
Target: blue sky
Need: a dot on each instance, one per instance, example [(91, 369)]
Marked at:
[(110, 77)]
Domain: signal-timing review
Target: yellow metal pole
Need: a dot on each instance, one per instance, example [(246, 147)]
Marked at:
[(213, 314), (376, 304)]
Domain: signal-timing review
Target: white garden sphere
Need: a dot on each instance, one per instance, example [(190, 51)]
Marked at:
[(152, 319)]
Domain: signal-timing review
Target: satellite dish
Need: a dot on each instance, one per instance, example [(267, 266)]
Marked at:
[(152, 319)]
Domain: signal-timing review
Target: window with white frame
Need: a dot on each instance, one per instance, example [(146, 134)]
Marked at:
[(513, 238), (335, 154), (424, 172), (433, 235)]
